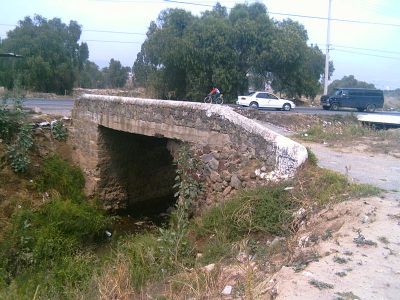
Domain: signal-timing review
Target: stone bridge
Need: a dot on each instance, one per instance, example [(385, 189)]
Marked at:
[(126, 147)]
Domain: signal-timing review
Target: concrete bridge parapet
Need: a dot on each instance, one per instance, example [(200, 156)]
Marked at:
[(234, 141)]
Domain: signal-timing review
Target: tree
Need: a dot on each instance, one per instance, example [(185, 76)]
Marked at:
[(91, 76), (186, 54), (52, 56), (349, 82), (115, 74)]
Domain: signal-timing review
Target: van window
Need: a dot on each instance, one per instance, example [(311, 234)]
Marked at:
[(356, 93), (338, 93)]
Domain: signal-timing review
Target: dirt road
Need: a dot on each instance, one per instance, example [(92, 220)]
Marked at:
[(380, 170)]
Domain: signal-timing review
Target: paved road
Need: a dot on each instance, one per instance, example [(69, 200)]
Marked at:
[(51, 106), (64, 106)]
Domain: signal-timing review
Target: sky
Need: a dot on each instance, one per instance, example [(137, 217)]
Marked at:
[(370, 52)]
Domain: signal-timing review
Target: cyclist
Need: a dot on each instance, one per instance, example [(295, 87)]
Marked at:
[(214, 93)]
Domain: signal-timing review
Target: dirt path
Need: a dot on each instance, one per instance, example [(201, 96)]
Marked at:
[(380, 170)]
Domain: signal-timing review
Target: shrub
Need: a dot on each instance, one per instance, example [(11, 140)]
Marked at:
[(57, 174)]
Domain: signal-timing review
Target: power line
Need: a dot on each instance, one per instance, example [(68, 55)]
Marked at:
[(94, 30), (366, 54), (366, 49), (118, 42), (109, 31), (190, 3), (297, 15)]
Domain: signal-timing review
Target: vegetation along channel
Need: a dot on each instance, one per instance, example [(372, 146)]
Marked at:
[(57, 243)]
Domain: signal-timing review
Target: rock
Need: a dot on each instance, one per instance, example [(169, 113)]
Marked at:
[(206, 158), (263, 169), (253, 176), (209, 268), (276, 241), (242, 257), (226, 175), (213, 164), (225, 183), (214, 176), (227, 290), (227, 190), (308, 274), (218, 187), (235, 182)]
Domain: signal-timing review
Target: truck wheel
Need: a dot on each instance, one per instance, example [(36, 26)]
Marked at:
[(370, 108), (334, 106)]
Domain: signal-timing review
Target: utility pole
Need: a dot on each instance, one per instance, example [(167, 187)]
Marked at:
[(328, 42)]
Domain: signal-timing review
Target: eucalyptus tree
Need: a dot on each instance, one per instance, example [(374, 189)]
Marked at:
[(52, 56)]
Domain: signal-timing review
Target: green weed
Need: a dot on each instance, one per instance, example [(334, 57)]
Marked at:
[(364, 190), (264, 209), (57, 174), (320, 284), (42, 237), (59, 131), (69, 278), (312, 158), (18, 151)]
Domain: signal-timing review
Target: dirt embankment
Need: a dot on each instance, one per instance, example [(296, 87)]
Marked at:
[(356, 253)]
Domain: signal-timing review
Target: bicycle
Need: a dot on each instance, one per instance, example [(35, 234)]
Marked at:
[(210, 99)]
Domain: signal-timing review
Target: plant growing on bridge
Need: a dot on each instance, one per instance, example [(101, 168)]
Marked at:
[(174, 240), (188, 180)]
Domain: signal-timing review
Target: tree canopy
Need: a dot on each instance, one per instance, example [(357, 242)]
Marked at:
[(186, 54), (115, 75), (53, 59), (52, 55), (349, 82)]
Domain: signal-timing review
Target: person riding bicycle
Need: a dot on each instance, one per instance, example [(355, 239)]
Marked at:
[(214, 93)]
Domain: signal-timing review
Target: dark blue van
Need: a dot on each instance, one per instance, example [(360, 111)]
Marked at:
[(361, 99)]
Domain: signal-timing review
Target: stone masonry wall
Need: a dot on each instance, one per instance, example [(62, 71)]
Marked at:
[(237, 151)]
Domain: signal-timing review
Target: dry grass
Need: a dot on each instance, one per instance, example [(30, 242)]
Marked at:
[(115, 281), (197, 283), (347, 132)]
